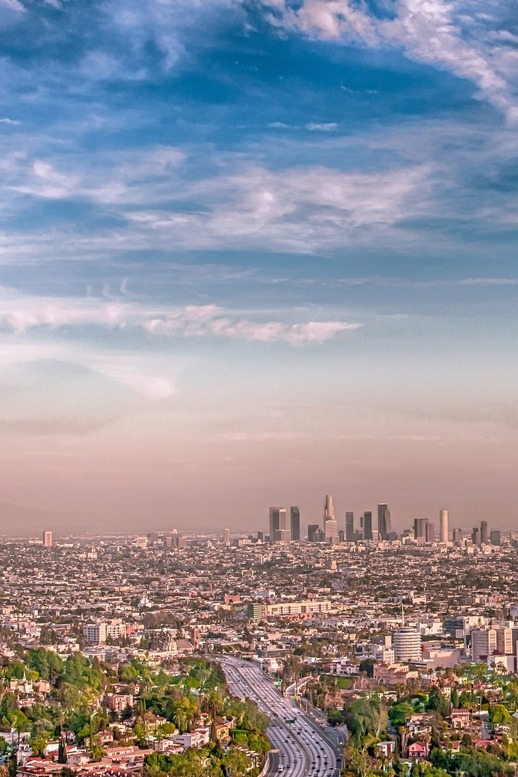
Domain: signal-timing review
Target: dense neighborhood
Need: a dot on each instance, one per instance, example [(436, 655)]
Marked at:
[(110, 656)]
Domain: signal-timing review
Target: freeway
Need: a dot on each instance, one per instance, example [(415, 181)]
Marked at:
[(300, 746)]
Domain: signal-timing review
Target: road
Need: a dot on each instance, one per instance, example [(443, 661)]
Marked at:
[(300, 746)]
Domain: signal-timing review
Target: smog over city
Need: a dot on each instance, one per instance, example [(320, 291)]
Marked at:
[(258, 388), (255, 252)]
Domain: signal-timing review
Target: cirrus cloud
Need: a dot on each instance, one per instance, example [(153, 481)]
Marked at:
[(461, 36), (21, 314)]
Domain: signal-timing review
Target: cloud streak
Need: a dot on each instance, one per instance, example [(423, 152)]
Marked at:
[(23, 314), (453, 35)]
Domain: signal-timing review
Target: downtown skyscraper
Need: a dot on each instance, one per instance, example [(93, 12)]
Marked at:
[(349, 527), (295, 523), (279, 530), (330, 522), (384, 522), (443, 526)]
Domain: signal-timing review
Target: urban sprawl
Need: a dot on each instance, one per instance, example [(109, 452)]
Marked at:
[(352, 650)]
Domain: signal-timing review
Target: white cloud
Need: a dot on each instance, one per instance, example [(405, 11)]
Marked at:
[(117, 179), (21, 314), (151, 377), (13, 5), (163, 23), (329, 126), (209, 320), (294, 209), (447, 33), (238, 205), (7, 120)]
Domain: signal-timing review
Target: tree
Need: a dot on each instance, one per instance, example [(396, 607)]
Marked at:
[(38, 743), (366, 716), (499, 715), (47, 663), (358, 761), (438, 703), (367, 666), (62, 749), (400, 713), (236, 762)]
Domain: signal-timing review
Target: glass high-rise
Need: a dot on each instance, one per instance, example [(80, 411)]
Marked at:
[(278, 523), (295, 523), (349, 527), (384, 522), (367, 526)]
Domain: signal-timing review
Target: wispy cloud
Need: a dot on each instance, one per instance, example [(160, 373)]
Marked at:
[(261, 436), (161, 201), (329, 126), (212, 321), (13, 5), (449, 34), (25, 313)]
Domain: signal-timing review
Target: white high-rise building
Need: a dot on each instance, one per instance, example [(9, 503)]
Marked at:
[(331, 530), (330, 522), (47, 539), (329, 510), (443, 526), (483, 643), (406, 642), (98, 631)]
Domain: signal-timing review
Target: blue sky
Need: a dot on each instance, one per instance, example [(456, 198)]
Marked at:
[(256, 252)]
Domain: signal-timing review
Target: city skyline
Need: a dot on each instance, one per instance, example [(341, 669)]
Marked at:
[(286, 527), (274, 257)]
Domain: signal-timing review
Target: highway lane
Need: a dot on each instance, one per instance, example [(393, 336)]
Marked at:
[(304, 748)]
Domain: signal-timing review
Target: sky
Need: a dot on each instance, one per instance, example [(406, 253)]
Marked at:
[(253, 252)]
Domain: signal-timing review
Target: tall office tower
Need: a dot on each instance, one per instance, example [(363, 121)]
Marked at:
[(457, 536), (47, 539), (484, 533), (367, 526), (330, 523), (475, 535), (329, 510), (483, 643), (313, 531), (420, 528), (226, 536), (295, 523), (429, 532), (331, 530), (406, 642), (384, 522), (504, 640), (443, 526), (349, 527), (495, 537), (278, 523)]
